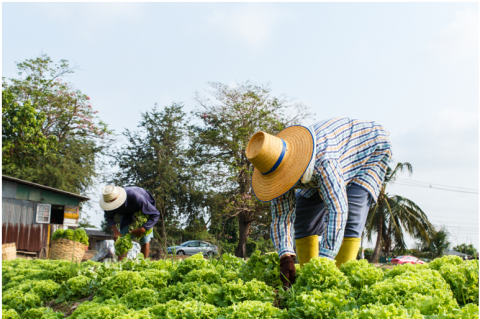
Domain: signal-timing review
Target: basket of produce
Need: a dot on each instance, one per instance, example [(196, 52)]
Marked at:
[(9, 251), (69, 244)]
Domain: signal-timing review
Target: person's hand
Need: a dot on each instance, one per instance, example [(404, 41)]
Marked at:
[(116, 233), (138, 232), (287, 271)]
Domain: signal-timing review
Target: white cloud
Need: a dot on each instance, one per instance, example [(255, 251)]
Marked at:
[(252, 23), (458, 40)]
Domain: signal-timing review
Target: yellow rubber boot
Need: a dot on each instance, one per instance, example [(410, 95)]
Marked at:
[(348, 250), (307, 248)]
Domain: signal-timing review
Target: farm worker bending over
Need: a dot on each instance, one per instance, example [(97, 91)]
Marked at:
[(126, 202), (320, 181)]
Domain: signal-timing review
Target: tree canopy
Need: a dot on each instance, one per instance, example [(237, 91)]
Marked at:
[(230, 115), (50, 132)]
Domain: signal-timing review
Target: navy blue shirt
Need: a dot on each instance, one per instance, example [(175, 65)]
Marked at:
[(138, 199)]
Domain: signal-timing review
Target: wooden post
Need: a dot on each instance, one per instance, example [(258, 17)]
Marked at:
[(48, 243)]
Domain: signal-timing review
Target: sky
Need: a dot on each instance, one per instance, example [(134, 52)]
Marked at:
[(411, 67)]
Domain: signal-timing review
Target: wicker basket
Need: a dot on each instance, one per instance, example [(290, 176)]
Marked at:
[(67, 249), (9, 251)]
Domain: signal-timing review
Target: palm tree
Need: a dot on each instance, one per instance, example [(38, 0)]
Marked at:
[(393, 215), (437, 244)]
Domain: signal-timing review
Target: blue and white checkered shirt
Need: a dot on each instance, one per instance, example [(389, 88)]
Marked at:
[(348, 152)]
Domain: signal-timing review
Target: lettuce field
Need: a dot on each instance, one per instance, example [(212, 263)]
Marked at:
[(229, 287)]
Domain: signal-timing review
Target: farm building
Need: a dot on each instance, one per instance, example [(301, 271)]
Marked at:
[(32, 212)]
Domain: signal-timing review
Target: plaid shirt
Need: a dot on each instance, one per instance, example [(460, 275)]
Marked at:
[(348, 152)]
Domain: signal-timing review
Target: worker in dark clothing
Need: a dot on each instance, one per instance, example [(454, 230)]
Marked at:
[(127, 202)]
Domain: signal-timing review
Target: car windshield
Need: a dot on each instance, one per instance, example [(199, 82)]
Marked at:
[(399, 257), (185, 243)]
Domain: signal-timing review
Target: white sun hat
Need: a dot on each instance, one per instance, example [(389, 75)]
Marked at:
[(112, 197)]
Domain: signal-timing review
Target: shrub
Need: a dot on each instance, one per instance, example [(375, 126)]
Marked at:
[(265, 268), (360, 273), (253, 309), (320, 304)]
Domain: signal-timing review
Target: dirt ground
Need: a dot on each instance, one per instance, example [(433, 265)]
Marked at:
[(384, 266)]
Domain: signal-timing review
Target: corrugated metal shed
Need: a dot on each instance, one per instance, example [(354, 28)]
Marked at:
[(19, 206), (9, 189), (19, 181)]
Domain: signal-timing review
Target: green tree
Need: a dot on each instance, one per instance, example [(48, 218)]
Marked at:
[(85, 223), (466, 249), (229, 120), (155, 157), (22, 137), (393, 215), (437, 243), (68, 137)]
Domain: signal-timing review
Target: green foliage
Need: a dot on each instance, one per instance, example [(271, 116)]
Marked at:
[(123, 244), (9, 314), (380, 312), (156, 279), (466, 249), (175, 309), (20, 301), (78, 235), (143, 289), (120, 283), (253, 309), (187, 265), (69, 234), (22, 136), (262, 267), (208, 276), (393, 215), (140, 298), (230, 116), (360, 273), (463, 280), (76, 288), (425, 290), (93, 310), (158, 148), (401, 269), (321, 273), (189, 291), (81, 236), (231, 262), (59, 233), (42, 313), (439, 262), (320, 304), (437, 243), (46, 290), (49, 128), (139, 221), (235, 292)]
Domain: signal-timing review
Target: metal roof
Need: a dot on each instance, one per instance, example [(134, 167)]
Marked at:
[(96, 232), (455, 253), (82, 198)]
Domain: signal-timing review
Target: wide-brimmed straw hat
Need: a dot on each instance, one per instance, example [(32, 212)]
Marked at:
[(112, 197), (279, 161)]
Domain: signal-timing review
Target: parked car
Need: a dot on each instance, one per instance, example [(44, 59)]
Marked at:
[(193, 247), (400, 260)]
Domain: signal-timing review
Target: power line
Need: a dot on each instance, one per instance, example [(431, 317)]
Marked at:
[(444, 189), (429, 184)]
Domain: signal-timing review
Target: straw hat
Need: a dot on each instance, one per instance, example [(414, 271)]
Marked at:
[(279, 161), (112, 197)]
